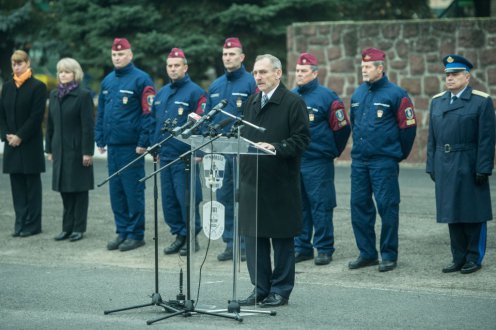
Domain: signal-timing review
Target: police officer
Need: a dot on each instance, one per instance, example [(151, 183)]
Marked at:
[(384, 127), (460, 157), (234, 86), (122, 126), (330, 130), (176, 101)]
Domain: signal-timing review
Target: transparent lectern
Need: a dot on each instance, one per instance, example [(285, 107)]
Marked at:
[(215, 284)]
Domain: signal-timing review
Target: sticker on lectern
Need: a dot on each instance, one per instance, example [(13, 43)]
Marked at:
[(213, 219), (213, 170)]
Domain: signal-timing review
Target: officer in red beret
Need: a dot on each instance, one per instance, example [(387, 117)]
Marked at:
[(175, 102), (122, 127), (235, 86), (384, 126), (460, 157), (330, 130)]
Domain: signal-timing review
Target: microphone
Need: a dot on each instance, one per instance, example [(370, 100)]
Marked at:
[(192, 119), (215, 129), (187, 133)]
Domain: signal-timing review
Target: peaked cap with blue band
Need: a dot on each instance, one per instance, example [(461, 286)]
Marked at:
[(456, 63)]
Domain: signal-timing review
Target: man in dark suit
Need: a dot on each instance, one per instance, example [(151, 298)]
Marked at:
[(270, 194), (460, 157)]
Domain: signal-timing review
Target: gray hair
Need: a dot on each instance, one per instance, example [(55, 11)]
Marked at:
[(276, 63), (71, 65)]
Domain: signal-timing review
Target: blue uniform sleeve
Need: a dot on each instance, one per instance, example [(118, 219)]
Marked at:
[(486, 138), (407, 124), (99, 139), (431, 145)]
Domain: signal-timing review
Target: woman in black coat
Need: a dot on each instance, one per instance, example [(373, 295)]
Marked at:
[(69, 145), (22, 106)]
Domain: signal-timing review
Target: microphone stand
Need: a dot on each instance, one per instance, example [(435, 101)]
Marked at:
[(187, 305), (156, 297)]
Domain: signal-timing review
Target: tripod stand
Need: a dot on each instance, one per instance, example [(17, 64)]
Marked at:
[(188, 305), (156, 297)]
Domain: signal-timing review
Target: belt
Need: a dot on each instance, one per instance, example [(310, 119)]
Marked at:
[(447, 148)]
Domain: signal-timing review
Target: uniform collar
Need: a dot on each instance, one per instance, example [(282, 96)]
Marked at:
[(310, 86), (125, 70), (379, 83), (181, 82), (236, 74)]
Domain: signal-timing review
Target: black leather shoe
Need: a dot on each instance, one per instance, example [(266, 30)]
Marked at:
[(176, 245), (252, 299), (76, 236), (62, 236), (115, 243), (299, 257), (362, 262), (226, 255), (323, 259), (29, 233), (274, 300), (131, 244), (184, 250), (16, 234), (451, 268), (470, 267), (387, 265)]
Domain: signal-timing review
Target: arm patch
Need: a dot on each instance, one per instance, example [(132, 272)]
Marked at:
[(147, 99), (337, 116), (200, 106), (406, 115)]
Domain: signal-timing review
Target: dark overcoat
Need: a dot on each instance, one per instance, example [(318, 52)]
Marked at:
[(69, 136), (21, 113), (270, 185), (461, 144)]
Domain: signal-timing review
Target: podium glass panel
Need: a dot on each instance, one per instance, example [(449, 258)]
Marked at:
[(221, 231)]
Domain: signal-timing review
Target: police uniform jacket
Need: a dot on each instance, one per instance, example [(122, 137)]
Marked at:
[(278, 197), (383, 121), (175, 101), (329, 125), (461, 144), (69, 136), (235, 87), (124, 108), (21, 113)]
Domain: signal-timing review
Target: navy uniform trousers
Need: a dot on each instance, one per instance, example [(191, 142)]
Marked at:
[(468, 242)]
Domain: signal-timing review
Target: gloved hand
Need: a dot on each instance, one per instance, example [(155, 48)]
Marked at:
[(480, 179), (433, 178)]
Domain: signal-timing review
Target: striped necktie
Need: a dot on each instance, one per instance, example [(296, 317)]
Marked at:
[(265, 99)]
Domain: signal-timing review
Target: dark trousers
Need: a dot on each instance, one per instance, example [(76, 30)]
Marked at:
[(75, 211), (266, 280), (26, 194), (468, 242)]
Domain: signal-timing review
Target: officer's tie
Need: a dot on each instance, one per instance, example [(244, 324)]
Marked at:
[(265, 99), (453, 99)]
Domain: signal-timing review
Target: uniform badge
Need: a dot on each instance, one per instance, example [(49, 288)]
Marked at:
[(149, 99), (311, 116), (450, 59), (380, 112), (409, 116), (340, 115), (180, 111), (125, 100), (304, 61), (239, 103)]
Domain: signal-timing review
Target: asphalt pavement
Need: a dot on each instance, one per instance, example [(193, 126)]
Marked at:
[(60, 285)]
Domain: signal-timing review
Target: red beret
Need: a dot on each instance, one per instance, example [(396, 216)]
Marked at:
[(307, 59), (176, 53), (372, 55), (232, 43), (121, 44)]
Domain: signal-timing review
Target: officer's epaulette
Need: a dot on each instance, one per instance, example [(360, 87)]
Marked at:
[(476, 92), (438, 95)]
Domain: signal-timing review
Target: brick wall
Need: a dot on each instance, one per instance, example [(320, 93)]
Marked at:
[(414, 49)]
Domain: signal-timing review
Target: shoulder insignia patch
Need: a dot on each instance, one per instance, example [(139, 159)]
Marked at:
[(476, 92), (438, 95)]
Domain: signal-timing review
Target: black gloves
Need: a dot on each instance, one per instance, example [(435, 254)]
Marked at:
[(433, 178), (480, 179)]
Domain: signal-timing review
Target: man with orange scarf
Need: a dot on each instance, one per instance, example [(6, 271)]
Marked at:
[(22, 107)]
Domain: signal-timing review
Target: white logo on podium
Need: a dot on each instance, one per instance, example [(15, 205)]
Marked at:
[(213, 219), (213, 169)]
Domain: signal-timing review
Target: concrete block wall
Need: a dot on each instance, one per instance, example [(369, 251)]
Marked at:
[(414, 49)]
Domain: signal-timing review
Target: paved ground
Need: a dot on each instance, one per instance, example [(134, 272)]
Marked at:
[(58, 285)]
